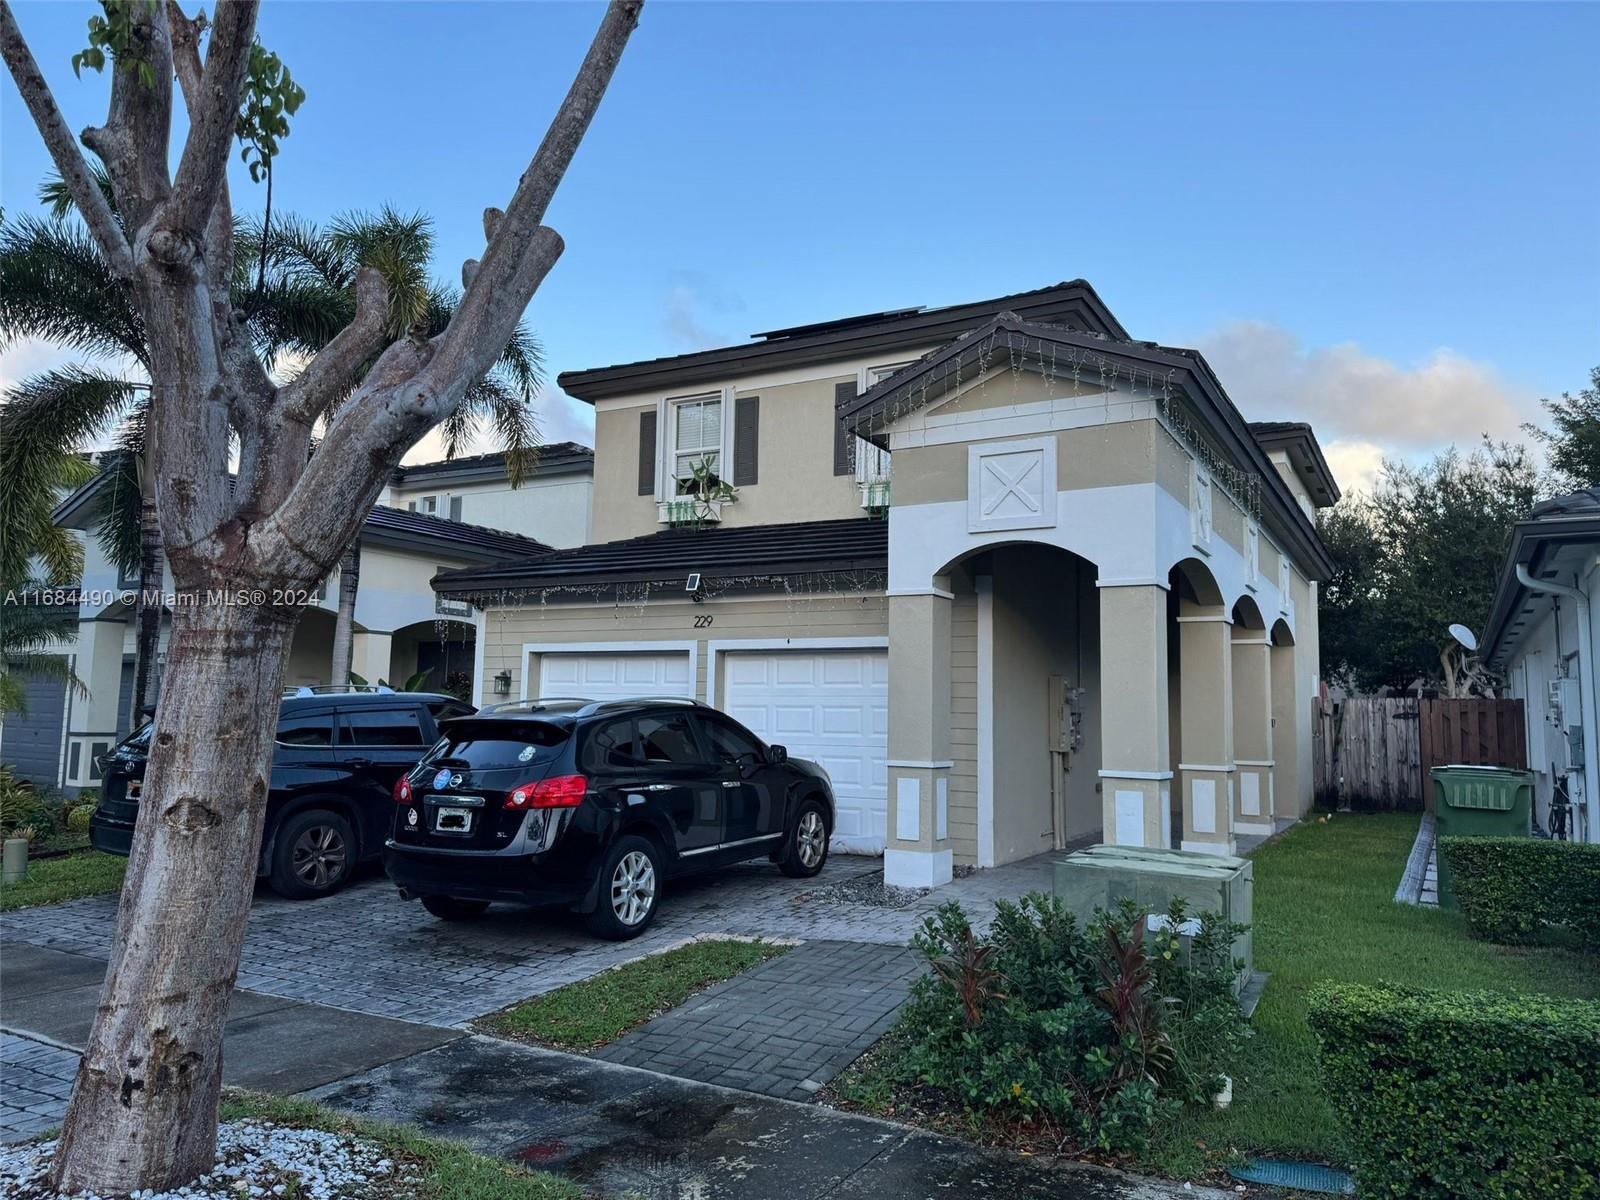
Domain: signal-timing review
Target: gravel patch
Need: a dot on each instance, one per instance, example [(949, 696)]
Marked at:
[(863, 890), (256, 1160)]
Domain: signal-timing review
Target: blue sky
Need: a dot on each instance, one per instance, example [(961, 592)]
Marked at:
[(1381, 218)]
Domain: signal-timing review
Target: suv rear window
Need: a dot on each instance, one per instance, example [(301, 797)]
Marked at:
[(380, 727), (491, 745)]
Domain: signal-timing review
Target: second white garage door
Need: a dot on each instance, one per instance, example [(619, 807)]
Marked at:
[(615, 676), (831, 706)]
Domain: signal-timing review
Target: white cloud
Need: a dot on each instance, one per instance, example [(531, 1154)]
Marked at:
[(1362, 402), (31, 356), (684, 319), (1356, 465)]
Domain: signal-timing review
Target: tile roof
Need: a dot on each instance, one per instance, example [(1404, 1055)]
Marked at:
[(807, 547)]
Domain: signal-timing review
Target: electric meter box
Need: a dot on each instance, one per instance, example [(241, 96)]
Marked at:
[(1103, 876)]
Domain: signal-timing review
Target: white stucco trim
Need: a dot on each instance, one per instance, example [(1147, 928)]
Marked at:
[(1250, 641), (721, 646), (692, 649), (1206, 618), (918, 868), (984, 586), (1152, 775), (1255, 762), (1251, 827), (927, 591), (921, 764), (1150, 581), (480, 625), (1220, 849), (1218, 768)]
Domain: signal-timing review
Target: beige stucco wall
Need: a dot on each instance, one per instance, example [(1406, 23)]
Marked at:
[(767, 617)]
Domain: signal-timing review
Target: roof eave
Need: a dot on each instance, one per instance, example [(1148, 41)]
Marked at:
[(1529, 541)]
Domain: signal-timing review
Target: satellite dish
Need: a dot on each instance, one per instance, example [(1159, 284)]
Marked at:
[(1466, 637)]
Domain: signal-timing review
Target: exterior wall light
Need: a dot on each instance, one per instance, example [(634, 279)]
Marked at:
[(502, 684)]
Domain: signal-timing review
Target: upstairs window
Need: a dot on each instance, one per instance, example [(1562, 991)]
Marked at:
[(872, 462), (696, 438)]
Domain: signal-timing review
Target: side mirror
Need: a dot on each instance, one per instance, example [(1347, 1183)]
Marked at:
[(777, 754)]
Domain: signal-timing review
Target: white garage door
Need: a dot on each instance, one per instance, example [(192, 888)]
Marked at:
[(615, 676), (831, 706)]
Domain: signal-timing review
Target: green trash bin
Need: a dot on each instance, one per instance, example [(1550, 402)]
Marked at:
[(1479, 802)]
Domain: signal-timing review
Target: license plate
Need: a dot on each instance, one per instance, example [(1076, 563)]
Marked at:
[(452, 820)]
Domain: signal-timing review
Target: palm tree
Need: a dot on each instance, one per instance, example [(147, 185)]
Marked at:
[(29, 625), (295, 281)]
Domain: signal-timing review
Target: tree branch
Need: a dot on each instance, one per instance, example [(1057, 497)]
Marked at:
[(479, 327), (333, 370), (64, 151), (202, 171), (191, 76)]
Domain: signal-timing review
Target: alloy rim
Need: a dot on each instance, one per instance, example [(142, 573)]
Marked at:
[(633, 887), (812, 838), (319, 856)]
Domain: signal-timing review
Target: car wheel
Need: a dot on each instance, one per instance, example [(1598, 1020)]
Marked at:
[(448, 908), (806, 847), (630, 889), (312, 855)]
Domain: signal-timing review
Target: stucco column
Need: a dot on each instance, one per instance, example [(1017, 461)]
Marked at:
[(1136, 771), (1288, 733), (1206, 739), (1252, 732), (919, 853), (369, 656)]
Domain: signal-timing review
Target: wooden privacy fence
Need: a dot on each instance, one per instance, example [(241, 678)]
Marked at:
[(1373, 752)]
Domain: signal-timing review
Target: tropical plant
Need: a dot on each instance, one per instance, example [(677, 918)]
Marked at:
[(145, 1118), (295, 281), (30, 624)]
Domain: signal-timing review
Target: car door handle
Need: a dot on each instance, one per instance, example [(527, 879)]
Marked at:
[(358, 762), (732, 783), (656, 787)]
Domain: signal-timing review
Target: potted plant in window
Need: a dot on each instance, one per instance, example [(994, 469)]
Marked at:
[(700, 497)]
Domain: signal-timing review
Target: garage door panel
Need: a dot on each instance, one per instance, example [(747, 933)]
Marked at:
[(608, 676), (828, 706)]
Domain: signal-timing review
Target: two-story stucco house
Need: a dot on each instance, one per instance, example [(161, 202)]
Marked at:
[(1016, 579)]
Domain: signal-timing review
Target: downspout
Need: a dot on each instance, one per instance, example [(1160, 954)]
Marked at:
[(1591, 769)]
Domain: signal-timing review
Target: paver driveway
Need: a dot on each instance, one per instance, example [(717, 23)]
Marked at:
[(368, 951)]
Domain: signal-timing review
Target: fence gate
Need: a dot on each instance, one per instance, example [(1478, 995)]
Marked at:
[(1473, 732)]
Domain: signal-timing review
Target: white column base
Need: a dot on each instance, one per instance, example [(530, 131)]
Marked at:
[(918, 868), (1219, 848), (1252, 828)]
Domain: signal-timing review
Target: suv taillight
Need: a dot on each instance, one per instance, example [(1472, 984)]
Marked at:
[(564, 791), (402, 790)]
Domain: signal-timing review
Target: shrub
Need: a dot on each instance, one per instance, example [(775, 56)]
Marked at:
[(20, 802), (1100, 1030), (1463, 1095), (78, 818), (1510, 887)]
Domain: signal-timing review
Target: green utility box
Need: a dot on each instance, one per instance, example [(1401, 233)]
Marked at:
[(1103, 876), (1479, 802)]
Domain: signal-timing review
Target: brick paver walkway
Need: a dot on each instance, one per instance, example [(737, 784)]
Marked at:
[(785, 1028), (35, 1083), (368, 951)]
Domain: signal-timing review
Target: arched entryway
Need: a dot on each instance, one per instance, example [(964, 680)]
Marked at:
[(440, 652)]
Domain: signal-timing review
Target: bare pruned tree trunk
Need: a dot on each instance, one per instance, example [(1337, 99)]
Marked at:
[(344, 626), (143, 1111)]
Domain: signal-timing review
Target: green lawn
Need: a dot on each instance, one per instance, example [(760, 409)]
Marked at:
[(601, 1009), (1324, 909), (449, 1171), (56, 879)]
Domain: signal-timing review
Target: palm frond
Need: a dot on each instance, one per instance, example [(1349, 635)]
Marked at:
[(57, 197), (490, 401), (118, 531), (54, 285), (43, 421)]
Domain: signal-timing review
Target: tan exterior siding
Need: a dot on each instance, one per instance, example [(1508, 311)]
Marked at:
[(507, 630), (619, 510), (964, 723)]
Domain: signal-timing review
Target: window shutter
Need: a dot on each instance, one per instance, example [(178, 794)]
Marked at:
[(647, 453), (746, 439), (844, 461), (455, 508)]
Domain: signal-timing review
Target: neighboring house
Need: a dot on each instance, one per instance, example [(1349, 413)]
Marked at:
[(1015, 579), (1541, 639), (552, 504), (401, 627)]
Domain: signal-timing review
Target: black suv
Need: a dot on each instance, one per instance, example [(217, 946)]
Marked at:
[(593, 805), (338, 757)]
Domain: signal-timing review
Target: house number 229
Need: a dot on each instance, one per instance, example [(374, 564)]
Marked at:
[(702, 621)]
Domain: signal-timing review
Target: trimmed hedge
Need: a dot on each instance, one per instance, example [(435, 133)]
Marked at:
[(1463, 1095), (1510, 887)]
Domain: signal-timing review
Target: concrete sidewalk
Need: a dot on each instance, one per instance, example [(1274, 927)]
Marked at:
[(48, 999), (622, 1131)]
